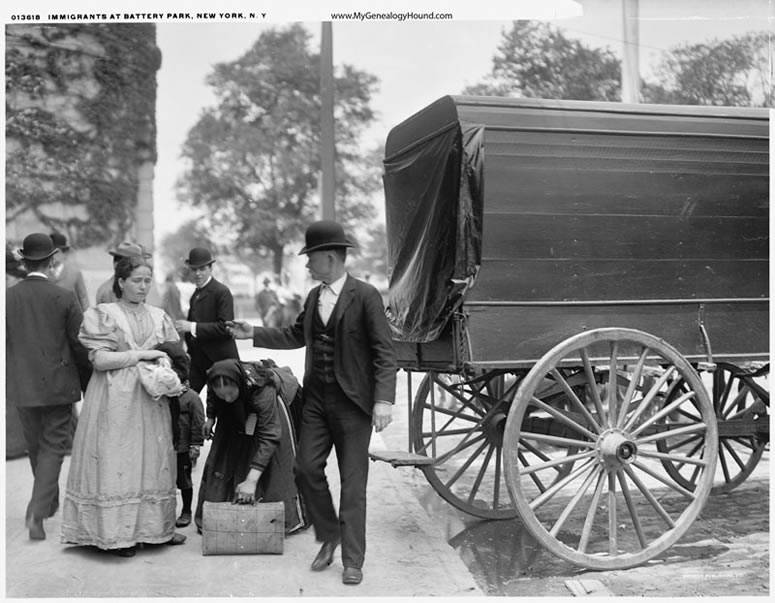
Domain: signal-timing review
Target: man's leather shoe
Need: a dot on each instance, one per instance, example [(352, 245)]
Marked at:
[(35, 526), (352, 575), (183, 520), (325, 556)]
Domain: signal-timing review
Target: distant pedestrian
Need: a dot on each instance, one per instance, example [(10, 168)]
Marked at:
[(121, 483), (47, 369), (105, 293), (266, 300), (171, 299), (188, 417), (210, 308), (69, 273)]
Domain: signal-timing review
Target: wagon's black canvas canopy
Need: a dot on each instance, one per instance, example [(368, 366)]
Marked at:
[(434, 218)]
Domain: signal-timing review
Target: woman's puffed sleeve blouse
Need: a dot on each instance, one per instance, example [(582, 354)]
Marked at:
[(104, 339)]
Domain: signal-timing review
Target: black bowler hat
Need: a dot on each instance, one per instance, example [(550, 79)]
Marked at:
[(60, 241), (198, 257), (37, 246), (325, 234)]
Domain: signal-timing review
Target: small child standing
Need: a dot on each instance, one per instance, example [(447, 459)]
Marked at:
[(188, 417)]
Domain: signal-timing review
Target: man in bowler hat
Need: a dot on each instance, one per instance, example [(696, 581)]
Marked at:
[(47, 370), (349, 386), (70, 275), (210, 308)]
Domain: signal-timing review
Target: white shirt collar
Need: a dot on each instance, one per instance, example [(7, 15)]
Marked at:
[(337, 286), (37, 274)]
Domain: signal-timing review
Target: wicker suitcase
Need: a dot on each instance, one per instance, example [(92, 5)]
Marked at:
[(232, 529)]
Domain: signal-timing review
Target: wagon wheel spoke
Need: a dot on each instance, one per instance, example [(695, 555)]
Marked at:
[(525, 463), (612, 523), (592, 385), (737, 402), (634, 380), (650, 498), (540, 455), (648, 398), (575, 400), (743, 441), (559, 485), (480, 476), (468, 462), (589, 520), (613, 382), (574, 501), (628, 499), (454, 415), (725, 444), (670, 484), (682, 443)]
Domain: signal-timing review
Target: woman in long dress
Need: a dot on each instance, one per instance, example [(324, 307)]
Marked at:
[(254, 442), (121, 483)]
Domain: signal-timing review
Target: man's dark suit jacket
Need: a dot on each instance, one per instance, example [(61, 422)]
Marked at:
[(45, 363), (364, 358), (210, 308)]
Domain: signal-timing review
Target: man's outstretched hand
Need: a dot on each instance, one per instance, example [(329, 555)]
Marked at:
[(240, 329)]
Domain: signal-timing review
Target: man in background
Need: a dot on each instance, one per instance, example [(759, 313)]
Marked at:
[(210, 308), (69, 274)]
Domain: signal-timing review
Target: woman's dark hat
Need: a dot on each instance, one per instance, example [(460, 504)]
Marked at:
[(37, 246), (325, 234), (60, 241), (198, 257)]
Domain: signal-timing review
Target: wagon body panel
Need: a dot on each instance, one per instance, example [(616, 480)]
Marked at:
[(664, 209)]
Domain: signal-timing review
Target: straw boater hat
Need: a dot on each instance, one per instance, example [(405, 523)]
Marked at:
[(325, 234), (198, 257), (127, 249), (37, 246)]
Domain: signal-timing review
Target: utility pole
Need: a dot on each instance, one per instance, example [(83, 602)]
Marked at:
[(630, 67), (327, 147)]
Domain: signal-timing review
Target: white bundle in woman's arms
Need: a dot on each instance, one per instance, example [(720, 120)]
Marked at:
[(158, 378)]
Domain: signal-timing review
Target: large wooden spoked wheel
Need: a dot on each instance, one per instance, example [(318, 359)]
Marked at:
[(740, 398), (618, 507), (460, 423)]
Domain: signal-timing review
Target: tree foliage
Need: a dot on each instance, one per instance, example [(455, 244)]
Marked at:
[(535, 59), (80, 119), (253, 160), (729, 72)]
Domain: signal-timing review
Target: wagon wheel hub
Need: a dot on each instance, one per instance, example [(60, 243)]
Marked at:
[(615, 448), (494, 428)]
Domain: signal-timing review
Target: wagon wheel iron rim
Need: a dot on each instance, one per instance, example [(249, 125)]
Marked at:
[(737, 396), (617, 507), (463, 430)]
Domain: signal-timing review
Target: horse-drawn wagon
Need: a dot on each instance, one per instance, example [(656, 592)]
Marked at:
[(583, 290)]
